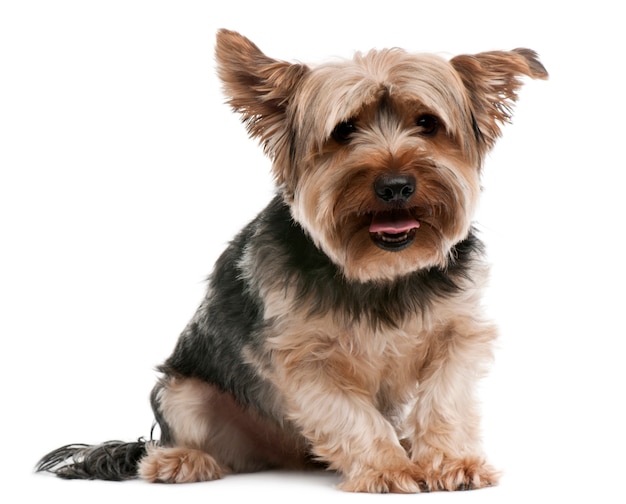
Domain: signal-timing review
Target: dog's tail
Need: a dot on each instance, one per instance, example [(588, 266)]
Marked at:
[(113, 460)]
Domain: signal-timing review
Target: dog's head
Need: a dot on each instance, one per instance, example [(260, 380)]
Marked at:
[(379, 157)]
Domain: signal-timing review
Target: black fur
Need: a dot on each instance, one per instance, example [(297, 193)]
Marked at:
[(113, 461), (272, 250), (231, 314)]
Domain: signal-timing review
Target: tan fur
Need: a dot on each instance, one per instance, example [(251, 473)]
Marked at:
[(339, 382), (333, 191), (207, 420), (178, 465), (390, 407)]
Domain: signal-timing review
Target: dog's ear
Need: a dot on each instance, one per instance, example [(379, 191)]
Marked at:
[(258, 87), (492, 81)]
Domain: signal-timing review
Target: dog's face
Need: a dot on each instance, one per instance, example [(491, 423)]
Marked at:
[(379, 157)]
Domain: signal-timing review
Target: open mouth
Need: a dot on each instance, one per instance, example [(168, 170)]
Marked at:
[(393, 230)]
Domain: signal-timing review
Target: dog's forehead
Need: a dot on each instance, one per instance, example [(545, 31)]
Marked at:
[(338, 90)]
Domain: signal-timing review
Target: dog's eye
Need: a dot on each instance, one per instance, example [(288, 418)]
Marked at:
[(428, 124), (344, 131)]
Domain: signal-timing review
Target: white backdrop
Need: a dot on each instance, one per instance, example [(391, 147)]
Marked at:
[(123, 175)]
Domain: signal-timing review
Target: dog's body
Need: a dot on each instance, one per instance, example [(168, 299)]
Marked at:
[(343, 325)]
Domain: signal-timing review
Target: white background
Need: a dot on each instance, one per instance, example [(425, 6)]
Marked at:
[(123, 175)]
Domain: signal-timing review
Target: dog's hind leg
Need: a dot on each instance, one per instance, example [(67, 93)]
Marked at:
[(178, 465), (184, 419), (206, 433)]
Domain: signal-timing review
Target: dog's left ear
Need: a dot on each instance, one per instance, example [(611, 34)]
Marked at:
[(492, 81), (258, 87)]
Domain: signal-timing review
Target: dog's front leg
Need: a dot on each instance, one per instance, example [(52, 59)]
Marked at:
[(445, 439), (329, 394)]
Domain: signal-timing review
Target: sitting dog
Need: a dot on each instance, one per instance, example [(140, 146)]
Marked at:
[(342, 327)]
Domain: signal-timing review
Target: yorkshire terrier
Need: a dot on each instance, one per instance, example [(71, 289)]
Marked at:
[(342, 327)]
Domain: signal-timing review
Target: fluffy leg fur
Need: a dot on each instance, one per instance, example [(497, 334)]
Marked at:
[(331, 386), (444, 421), (210, 434), (178, 465)]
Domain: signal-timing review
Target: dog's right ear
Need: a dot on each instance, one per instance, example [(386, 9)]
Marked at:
[(492, 80), (258, 87)]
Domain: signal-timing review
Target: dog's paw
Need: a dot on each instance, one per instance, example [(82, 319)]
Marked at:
[(462, 474), (403, 480), (178, 465)]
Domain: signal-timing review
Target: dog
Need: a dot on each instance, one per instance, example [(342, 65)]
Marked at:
[(342, 328)]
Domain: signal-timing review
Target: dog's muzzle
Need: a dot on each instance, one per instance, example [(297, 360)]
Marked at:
[(394, 229)]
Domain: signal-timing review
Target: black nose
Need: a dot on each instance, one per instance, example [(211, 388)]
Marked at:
[(394, 188)]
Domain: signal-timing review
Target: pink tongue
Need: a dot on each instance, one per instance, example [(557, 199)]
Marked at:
[(395, 222)]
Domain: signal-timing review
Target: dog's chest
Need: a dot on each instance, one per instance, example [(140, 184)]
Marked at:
[(357, 354)]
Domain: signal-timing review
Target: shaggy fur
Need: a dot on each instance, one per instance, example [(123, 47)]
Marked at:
[(342, 327)]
